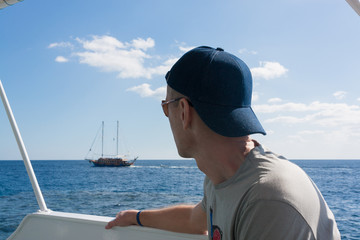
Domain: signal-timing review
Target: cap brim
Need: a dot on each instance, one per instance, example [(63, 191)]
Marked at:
[(229, 121)]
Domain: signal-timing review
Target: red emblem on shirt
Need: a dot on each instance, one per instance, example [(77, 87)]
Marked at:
[(217, 233)]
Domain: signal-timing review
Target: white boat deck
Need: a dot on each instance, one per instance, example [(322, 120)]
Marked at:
[(61, 226)]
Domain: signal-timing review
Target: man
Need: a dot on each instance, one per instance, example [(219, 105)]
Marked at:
[(249, 192)]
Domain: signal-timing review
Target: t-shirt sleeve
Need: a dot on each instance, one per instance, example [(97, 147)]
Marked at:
[(267, 219)]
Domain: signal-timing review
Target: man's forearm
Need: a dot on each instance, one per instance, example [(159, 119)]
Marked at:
[(180, 218)]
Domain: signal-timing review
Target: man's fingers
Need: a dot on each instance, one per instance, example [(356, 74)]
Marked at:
[(123, 218), (111, 224)]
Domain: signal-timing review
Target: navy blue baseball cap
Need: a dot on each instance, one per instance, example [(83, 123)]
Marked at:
[(219, 85)]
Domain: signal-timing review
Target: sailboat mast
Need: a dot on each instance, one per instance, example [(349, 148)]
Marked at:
[(102, 140), (117, 139)]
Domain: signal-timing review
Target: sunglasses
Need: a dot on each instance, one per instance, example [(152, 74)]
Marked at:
[(164, 104)]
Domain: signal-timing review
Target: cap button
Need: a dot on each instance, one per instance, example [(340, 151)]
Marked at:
[(220, 49)]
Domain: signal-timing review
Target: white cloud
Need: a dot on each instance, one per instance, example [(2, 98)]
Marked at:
[(183, 47), (270, 132), (330, 142), (312, 130), (60, 44), (144, 90), (302, 107), (274, 100), (101, 44), (340, 94), (327, 115), (186, 49), (170, 61), (61, 59), (255, 96), (269, 70), (285, 119), (285, 107), (140, 43), (127, 59), (358, 99)]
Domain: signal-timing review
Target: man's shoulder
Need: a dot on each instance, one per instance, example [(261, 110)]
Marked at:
[(280, 179)]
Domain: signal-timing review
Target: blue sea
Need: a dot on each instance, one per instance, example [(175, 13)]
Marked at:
[(76, 186)]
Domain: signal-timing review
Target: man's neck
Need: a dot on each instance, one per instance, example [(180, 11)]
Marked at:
[(221, 159)]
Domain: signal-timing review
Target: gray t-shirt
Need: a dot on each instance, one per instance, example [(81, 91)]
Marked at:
[(268, 198)]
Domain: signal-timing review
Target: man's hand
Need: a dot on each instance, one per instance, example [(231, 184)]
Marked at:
[(123, 218)]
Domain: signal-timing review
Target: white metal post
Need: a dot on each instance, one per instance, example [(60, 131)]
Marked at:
[(355, 4), (25, 157)]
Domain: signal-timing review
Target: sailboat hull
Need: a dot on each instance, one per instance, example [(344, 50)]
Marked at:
[(112, 162)]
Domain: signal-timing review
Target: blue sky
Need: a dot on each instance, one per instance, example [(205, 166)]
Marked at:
[(68, 66)]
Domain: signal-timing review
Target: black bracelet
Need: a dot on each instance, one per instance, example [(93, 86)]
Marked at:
[(138, 218)]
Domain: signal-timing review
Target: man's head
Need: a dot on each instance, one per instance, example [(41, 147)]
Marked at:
[(219, 86)]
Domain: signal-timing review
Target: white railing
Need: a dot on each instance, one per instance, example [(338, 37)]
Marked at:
[(6, 3), (25, 157), (355, 4)]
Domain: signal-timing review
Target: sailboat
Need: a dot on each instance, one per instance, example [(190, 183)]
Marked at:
[(116, 161)]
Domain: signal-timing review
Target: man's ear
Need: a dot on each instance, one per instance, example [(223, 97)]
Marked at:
[(186, 113)]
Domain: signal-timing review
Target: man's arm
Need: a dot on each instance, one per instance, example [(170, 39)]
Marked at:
[(181, 218)]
